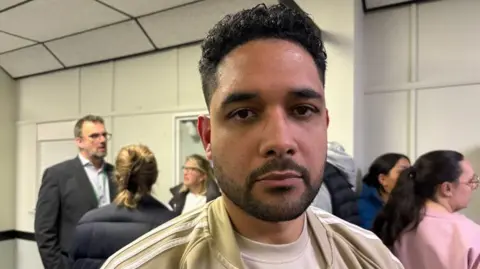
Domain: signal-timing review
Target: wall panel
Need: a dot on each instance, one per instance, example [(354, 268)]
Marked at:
[(189, 84), (146, 83), (386, 35), (448, 118), (49, 97), (386, 124), (27, 255), (26, 176), (96, 88), (7, 254), (55, 130), (153, 131), (449, 40)]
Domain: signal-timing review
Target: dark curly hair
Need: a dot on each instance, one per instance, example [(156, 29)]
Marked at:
[(260, 22)]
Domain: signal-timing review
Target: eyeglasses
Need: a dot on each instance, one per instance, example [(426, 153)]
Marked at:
[(96, 136), (474, 181), (192, 169)]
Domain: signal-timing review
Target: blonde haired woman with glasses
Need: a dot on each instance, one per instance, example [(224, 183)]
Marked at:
[(198, 185), (134, 212)]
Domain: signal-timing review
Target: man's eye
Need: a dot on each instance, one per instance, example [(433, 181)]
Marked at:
[(242, 114), (304, 110)]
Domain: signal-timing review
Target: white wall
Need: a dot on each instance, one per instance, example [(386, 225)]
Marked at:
[(341, 22), (7, 254), (8, 100), (137, 97), (27, 255), (423, 80)]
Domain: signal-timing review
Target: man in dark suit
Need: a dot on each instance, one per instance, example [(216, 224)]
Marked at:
[(70, 189)]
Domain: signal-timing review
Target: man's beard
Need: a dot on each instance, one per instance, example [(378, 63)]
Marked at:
[(98, 154), (289, 209)]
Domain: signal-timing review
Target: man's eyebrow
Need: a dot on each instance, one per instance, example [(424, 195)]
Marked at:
[(306, 93), (303, 93), (237, 97)]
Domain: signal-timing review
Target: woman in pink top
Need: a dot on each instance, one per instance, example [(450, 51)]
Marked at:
[(419, 222)]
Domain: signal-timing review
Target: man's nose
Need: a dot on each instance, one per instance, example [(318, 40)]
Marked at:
[(278, 133), (102, 138)]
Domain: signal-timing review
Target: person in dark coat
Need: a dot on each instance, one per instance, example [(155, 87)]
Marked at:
[(337, 193), (102, 232), (377, 184), (70, 189), (198, 187)]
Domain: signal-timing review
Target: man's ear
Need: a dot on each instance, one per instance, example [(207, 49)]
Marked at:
[(328, 117), (204, 130), (78, 141)]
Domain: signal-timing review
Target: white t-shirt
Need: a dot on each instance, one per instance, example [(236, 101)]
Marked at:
[(297, 255), (193, 201)]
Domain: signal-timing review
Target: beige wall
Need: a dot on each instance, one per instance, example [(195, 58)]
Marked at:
[(8, 116), (341, 23)]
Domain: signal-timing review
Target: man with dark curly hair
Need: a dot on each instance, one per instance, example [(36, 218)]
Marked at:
[(263, 77)]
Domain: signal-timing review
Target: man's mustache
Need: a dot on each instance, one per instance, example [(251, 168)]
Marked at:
[(276, 165)]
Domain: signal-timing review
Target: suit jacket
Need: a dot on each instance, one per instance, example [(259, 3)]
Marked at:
[(65, 195), (178, 200)]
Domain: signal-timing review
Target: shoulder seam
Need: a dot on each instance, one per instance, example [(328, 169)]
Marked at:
[(174, 243), (197, 222), (330, 219)]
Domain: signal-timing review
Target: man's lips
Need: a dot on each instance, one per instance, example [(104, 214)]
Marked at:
[(280, 175)]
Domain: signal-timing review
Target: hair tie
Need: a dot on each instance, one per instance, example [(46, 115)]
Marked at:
[(412, 174)]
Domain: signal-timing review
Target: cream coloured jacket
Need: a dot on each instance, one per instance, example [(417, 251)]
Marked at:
[(204, 239)]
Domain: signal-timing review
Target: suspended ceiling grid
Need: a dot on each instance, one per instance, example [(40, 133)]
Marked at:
[(39, 36)]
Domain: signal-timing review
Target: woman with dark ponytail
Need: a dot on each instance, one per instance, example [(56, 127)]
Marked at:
[(134, 212), (377, 185), (419, 222)]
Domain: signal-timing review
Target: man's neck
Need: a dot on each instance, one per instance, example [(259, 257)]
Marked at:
[(263, 231), (96, 162)]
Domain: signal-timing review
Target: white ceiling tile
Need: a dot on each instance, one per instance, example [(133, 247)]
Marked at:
[(192, 22), (4, 4), (10, 42), (141, 7), (28, 61), (109, 42), (43, 20)]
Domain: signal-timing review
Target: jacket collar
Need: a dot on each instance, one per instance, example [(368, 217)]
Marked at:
[(224, 241)]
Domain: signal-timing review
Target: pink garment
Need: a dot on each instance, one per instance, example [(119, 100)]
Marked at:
[(442, 241)]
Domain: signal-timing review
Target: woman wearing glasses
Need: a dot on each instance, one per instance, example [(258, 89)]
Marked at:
[(198, 185), (420, 223)]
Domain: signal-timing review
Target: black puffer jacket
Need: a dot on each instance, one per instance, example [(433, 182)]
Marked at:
[(103, 231), (344, 199)]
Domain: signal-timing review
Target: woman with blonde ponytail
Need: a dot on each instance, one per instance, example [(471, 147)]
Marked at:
[(102, 232)]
